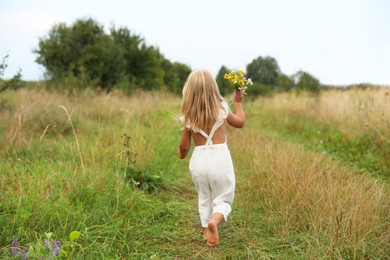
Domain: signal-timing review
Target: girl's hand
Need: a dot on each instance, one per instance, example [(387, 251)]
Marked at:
[(238, 97)]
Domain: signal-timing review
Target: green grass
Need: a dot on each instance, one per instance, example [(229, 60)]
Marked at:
[(367, 152), (134, 198)]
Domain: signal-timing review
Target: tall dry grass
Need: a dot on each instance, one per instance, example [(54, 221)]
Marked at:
[(36, 114), (355, 112), (313, 204)]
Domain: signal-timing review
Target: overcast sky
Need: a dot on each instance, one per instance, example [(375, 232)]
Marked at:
[(338, 41)]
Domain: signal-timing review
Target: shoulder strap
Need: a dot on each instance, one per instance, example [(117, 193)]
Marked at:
[(203, 133), (210, 137)]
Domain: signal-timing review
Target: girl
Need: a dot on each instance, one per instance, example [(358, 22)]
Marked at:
[(205, 115)]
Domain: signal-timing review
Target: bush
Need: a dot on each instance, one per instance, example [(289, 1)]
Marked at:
[(14, 82), (258, 89)]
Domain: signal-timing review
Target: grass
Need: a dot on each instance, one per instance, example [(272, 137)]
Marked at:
[(106, 166), (349, 125)]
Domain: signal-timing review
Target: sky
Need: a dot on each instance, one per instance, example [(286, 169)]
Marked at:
[(340, 42)]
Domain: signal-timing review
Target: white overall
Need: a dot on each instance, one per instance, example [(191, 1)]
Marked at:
[(212, 172)]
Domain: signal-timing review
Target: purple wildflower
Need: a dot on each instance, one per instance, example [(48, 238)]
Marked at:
[(24, 254), (243, 78), (15, 242), (57, 247), (238, 94), (47, 245), (14, 246), (56, 250), (15, 249), (53, 246)]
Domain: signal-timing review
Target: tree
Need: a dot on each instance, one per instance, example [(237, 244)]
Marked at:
[(306, 82), (175, 75), (264, 70), (137, 56), (182, 71), (81, 50), (284, 83), (223, 84), (146, 66)]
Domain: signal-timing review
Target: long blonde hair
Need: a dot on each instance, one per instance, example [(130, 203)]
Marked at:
[(201, 101)]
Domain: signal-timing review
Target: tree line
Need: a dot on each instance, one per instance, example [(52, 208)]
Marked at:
[(83, 55), (268, 78)]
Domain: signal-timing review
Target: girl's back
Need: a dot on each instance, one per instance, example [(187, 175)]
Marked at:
[(202, 106)]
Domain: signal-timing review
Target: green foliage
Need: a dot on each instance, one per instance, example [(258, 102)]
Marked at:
[(129, 43), (149, 72), (267, 77), (223, 84), (175, 75), (306, 82), (142, 180), (259, 89), (14, 82), (264, 70), (284, 83), (3, 65), (83, 55), (74, 235), (83, 51)]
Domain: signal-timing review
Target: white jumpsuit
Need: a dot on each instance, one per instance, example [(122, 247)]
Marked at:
[(212, 172)]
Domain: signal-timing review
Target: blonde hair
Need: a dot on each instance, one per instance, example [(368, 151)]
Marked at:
[(201, 101)]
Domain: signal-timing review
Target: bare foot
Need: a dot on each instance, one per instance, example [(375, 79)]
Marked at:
[(213, 238), (206, 233)]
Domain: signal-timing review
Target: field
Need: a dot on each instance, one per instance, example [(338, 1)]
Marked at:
[(99, 173)]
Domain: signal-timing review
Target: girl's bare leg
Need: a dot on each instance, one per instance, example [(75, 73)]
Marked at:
[(206, 233), (213, 228)]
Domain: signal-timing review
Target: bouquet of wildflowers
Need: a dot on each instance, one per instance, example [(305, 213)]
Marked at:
[(238, 82)]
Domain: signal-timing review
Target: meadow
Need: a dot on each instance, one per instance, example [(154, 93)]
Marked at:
[(96, 176)]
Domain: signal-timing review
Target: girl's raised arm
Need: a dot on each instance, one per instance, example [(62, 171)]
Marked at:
[(237, 120)]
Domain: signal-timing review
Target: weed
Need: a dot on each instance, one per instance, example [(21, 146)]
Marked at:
[(137, 177), (144, 181)]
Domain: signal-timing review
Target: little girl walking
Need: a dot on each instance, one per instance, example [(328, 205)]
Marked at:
[(205, 116)]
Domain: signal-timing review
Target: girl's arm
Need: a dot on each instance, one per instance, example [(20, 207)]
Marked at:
[(185, 144), (238, 119)]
